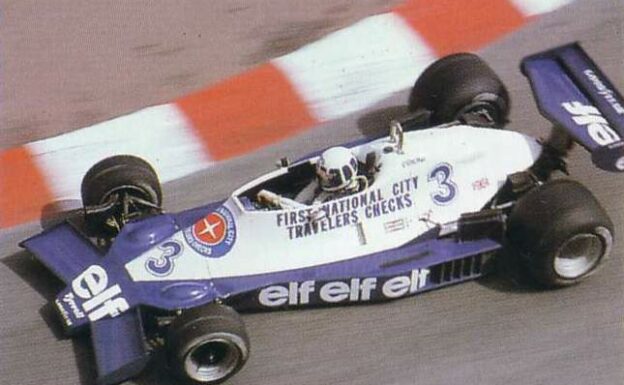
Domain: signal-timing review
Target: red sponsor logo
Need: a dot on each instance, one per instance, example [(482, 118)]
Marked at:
[(211, 230), (480, 184)]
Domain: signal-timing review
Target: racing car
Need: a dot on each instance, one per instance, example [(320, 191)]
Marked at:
[(442, 195)]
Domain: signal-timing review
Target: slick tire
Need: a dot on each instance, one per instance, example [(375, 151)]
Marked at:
[(207, 345), (561, 232), (115, 177), (457, 86)]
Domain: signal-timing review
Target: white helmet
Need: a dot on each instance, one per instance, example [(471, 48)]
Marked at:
[(336, 169)]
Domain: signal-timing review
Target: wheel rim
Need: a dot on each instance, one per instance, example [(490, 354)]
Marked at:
[(131, 192), (490, 107), (580, 254), (212, 360), (487, 111), (130, 202)]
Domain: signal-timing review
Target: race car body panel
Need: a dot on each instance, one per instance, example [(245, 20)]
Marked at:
[(63, 251), (120, 347), (575, 94), (413, 192), (407, 270), (236, 248)]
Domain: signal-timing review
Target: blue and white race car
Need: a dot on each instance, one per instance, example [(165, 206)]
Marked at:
[(435, 203)]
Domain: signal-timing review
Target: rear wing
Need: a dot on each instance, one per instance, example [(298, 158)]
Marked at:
[(573, 93)]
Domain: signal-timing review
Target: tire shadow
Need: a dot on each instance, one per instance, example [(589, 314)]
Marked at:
[(156, 372), (34, 273), (510, 275), (85, 359), (57, 212), (377, 122)]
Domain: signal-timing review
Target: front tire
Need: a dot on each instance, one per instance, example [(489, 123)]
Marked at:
[(117, 190), (561, 231), (207, 345)]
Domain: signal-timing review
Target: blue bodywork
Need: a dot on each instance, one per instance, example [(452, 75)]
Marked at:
[(119, 342)]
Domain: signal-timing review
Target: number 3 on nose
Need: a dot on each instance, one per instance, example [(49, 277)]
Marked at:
[(446, 188)]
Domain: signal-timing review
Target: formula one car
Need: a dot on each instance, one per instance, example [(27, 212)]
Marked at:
[(442, 194)]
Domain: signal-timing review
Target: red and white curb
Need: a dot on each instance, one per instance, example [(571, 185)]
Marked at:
[(340, 74)]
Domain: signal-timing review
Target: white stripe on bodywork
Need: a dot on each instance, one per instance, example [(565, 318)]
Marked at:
[(537, 7), (263, 244), (161, 135), (352, 69)]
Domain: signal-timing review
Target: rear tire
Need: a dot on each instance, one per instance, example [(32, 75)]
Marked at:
[(118, 189), (461, 86), (561, 231), (207, 345)]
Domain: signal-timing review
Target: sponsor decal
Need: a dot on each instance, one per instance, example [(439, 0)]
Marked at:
[(596, 125), (162, 265), (63, 312), (214, 235), (607, 93), (347, 210), (446, 189), (480, 184), (412, 162), (395, 225), (99, 299), (70, 300), (341, 291)]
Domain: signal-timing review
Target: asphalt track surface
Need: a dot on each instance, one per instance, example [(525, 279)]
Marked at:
[(73, 63), (494, 331)]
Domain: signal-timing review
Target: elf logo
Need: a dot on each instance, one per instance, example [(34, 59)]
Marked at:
[(99, 299), (597, 126), (353, 290)]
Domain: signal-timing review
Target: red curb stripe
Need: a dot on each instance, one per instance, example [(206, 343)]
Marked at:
[(246, 112), (23, 189), (452, 26)]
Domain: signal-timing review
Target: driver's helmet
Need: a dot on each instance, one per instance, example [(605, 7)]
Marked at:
[(336, 169)]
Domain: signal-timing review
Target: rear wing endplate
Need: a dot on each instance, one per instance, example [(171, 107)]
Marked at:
[(573, 93)]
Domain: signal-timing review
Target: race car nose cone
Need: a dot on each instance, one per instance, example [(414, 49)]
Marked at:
[(150, 231)]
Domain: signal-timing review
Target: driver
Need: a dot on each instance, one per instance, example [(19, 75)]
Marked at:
[(337, 176)]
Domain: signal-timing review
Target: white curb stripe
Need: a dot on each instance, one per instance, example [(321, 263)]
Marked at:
[(537, 7), (352, 69), (160, 135)]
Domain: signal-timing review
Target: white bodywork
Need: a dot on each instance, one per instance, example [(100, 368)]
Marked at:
[(471, 163)]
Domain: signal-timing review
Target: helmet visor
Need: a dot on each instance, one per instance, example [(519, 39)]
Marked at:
[(331, 179)]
